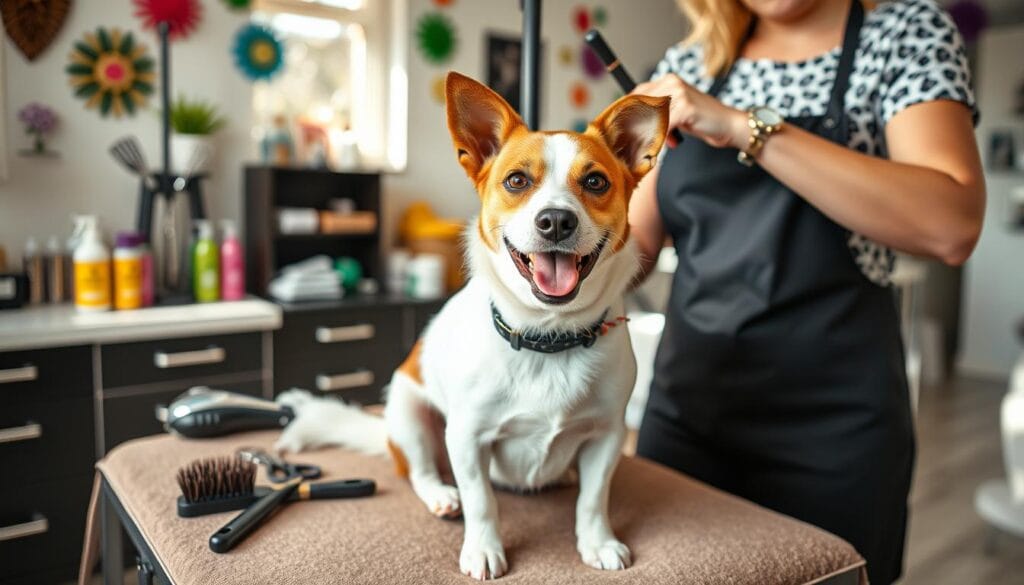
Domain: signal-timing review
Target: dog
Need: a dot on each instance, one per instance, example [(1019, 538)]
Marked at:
[(522, 378)]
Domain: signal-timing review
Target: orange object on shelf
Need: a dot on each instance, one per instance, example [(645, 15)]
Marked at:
[(424, 233), (357, 222)]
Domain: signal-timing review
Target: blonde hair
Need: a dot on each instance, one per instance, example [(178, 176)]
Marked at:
[(718, 27)]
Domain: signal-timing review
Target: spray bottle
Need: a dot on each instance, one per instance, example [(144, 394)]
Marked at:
[(232, 264), (92, 269), (205, 264)]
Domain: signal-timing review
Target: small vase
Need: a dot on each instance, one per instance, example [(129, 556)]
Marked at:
[(39, 146)]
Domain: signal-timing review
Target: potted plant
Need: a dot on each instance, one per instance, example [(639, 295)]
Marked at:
[(192, 122)]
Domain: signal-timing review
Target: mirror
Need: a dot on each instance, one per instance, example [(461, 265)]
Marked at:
[(341, 96)]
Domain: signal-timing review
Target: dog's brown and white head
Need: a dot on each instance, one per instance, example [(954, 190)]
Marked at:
[(553, 204)]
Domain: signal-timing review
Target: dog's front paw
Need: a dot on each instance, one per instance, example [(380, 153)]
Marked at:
[(442, 500), (483, 561), (609, 555)]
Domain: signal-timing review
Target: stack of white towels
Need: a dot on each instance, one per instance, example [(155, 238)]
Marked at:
[(313, 279)]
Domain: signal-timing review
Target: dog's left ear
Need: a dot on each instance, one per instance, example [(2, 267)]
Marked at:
[(634, 127), (479, 120)]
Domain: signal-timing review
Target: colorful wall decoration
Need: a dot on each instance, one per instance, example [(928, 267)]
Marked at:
[(182, 15), (111, 72), (258, 52), (435, 37), (33, 24)]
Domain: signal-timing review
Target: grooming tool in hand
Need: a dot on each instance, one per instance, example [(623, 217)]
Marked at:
[(223, 484), (278, 470), (611, 62), (202, 412)]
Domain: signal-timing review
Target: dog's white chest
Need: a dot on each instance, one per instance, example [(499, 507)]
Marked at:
[(532, 451)]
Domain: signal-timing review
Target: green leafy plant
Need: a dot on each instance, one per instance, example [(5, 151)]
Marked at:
[(195, 117)]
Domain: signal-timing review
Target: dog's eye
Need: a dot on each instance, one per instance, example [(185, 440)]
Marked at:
[(517, 182), (596, 183)]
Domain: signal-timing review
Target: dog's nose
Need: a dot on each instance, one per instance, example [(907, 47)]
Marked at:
[(556, 224)]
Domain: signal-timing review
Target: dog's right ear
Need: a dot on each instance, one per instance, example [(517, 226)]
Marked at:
[(479, 120)]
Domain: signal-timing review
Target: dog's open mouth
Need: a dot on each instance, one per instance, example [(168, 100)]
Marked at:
[(555, 277)]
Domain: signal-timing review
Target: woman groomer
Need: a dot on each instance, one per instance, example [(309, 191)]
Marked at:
[(823, 135)]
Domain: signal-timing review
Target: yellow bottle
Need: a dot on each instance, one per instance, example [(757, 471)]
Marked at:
[(92, 270), (128, 271)]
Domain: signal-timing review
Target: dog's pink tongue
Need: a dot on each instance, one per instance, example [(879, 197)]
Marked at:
[(554, 273)]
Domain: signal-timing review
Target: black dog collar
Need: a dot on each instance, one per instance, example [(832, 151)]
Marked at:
[(550, 342)]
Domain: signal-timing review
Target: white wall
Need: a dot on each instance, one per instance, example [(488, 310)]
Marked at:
[(40, 195), (994, 283)]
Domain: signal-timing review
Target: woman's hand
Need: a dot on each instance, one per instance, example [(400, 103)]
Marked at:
[(699, 114)]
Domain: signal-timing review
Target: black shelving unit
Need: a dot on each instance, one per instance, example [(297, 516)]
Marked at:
[(268, 188)]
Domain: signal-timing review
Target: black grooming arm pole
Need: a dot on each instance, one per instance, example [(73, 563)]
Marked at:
[(530, 88)]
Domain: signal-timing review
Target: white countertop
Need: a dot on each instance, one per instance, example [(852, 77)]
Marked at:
[(57, 325)]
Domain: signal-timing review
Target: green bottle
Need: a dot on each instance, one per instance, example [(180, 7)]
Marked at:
[(205, 264)]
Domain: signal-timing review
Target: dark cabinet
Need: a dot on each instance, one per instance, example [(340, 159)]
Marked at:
[(47, 449), (347, 349)]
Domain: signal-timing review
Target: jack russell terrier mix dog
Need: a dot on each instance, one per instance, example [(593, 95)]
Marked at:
[(522, 378)]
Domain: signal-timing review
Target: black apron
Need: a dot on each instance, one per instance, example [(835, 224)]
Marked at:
[(780, 374)]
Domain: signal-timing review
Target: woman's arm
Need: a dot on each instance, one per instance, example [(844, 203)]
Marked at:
[(927, 199), (645, 225)]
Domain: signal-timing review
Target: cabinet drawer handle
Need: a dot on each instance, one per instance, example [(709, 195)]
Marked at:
[(37, 525), (210, 355), (22, 374), (347, 333), (358, 379), (22, 433)]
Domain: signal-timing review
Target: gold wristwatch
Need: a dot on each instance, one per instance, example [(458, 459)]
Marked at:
[(763, 122)]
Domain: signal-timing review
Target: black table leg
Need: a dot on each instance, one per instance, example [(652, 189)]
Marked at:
[(113, 551)]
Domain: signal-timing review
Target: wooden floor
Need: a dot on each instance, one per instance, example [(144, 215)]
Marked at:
[(959, 446)]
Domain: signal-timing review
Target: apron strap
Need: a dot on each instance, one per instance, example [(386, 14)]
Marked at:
[(851, 40)]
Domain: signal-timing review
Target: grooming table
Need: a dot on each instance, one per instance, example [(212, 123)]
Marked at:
[(679, 530)]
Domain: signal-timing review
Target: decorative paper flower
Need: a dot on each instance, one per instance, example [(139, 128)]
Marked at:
[(443, 3), (566, 55), (237, 4), (581, 19), (181, 15), (110, 71), (600, 16), (579, 95), (258, 52), (37, 118), (436, 37), (591, 64), (437, 89)]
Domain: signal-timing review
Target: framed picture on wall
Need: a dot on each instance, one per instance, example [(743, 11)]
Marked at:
[(503, 61)]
